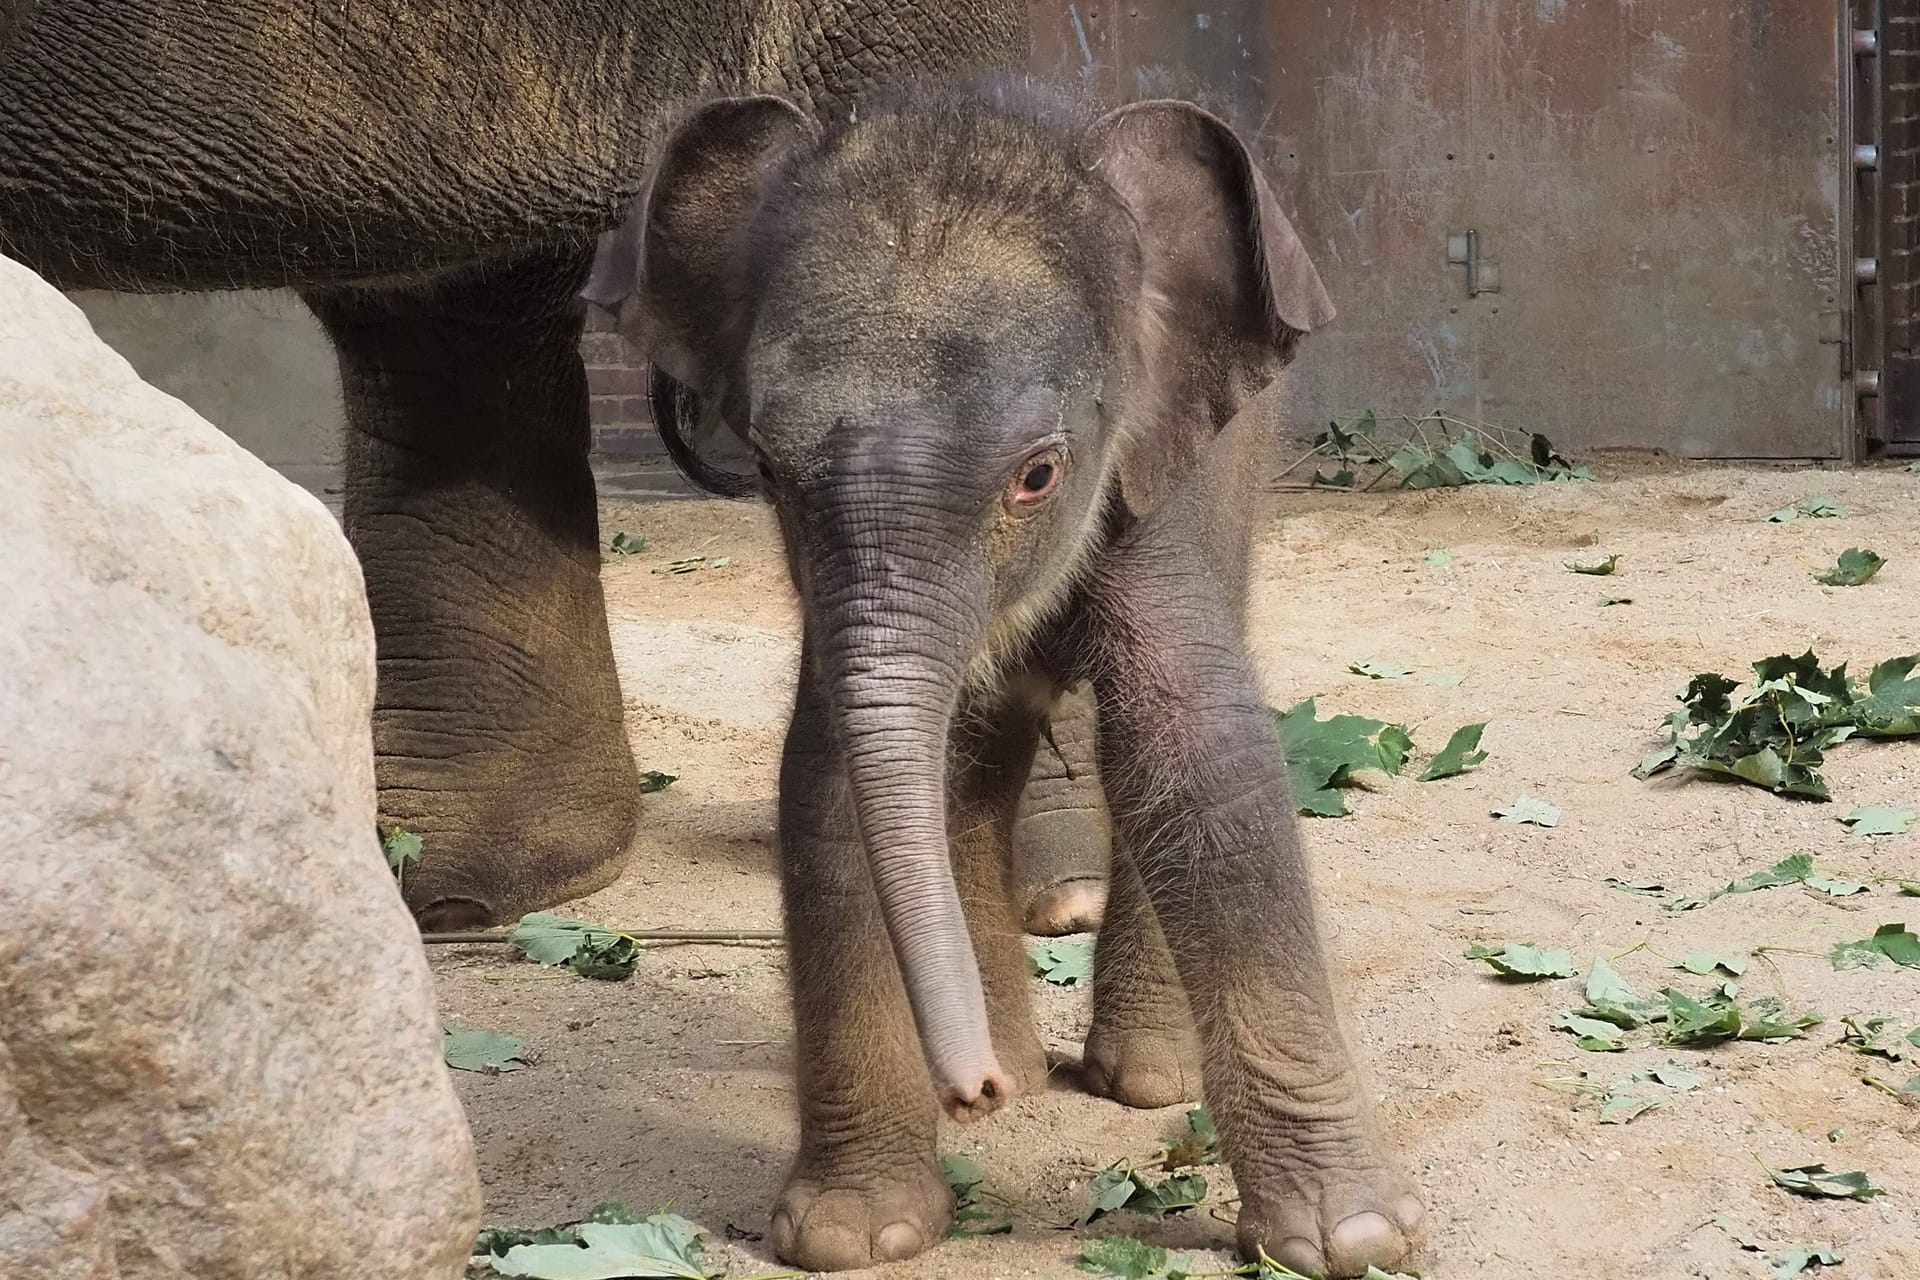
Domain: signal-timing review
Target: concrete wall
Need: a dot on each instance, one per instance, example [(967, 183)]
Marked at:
[(256, 365)]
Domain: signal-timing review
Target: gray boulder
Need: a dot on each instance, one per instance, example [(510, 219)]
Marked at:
[(219, 1054)]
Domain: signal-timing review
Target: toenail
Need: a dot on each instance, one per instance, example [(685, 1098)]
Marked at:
[(1301, 1254), (897, 1240), (1363, 1238), (1410, 1212)]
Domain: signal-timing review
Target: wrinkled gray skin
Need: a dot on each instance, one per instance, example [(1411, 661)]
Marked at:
[(986, 349), (431, 176)]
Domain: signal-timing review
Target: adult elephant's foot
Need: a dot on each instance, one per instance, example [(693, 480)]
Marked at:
[(1062, 837), (841, 1221), (497, 724), (1333, 1208), (1142, 1068)]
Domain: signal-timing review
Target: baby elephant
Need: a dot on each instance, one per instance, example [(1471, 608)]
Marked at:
[(985, 347)]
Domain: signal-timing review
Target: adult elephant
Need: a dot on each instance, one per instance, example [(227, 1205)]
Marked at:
[(431, 175)]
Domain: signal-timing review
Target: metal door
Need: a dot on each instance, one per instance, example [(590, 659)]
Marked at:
[(1618, 224), (1885, 97)]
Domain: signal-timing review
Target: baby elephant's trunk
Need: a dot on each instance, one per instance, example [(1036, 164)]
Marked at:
[(895, 658)]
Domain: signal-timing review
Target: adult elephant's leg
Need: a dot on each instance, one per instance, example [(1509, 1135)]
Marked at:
[(1199, 792), (498, 721), (1063, 835)]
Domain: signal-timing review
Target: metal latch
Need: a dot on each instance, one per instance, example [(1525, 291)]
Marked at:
[(1463, 250)]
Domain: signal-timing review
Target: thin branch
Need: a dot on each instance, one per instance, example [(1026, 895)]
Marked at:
[(719, 936)]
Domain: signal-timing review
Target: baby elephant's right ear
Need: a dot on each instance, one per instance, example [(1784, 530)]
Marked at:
[(671, 268)]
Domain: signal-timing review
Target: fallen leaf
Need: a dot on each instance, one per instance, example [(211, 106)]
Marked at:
[(588, 949), (1893, 942), (626, 544), (1118, 1188), (1817, 1180), (1323, 755), (1798, 1261), (1672, 1076), (652, 781), (1649, 888), (1599, 568), (1461, 753), (1530, 809), (1064, 964), (1878, 820), (1439, 556), (487, 1051), (971, 1217), (1625, 1108), (1378, 670), (664, 1245), (1705, 962), (1524, 961), (1855, 567), (1604, 601), (693, 564), (1591, 1034), (1123, 1258), (1811, 508)]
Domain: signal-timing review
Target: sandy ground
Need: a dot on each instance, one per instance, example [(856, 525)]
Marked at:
[(674, 1087)]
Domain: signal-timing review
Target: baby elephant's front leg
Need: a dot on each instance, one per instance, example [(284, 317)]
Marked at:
[(866, 1186), (1194, 777)]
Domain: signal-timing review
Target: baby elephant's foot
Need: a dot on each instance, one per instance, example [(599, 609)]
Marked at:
[(836, 1224), (1069, 906), (1335, 1218), (1139, 1068)]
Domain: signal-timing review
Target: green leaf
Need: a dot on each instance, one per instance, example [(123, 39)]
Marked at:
[(1811, 508), (1439, 556), (1123, 1258), (970, 1216), (1648, 888), (1444, 679), (403, 849), (1598, 568), (487, 1051), (1461, 753), (1855, 567), (1625, 1108), (1610, 999), (1107, 1193), (626, 544), (1524, 961), (1893, 942), (1891, 707), (693, 564), (1836, 888), (1873, 1036), (1323, 755), (1592, 1034), (1909, 889), (1878, 820), (1691, 1021), (1792, 869), (1604, 601), (1798, 1261), (1065, 964), (1378, 670), (1705, 962), (1541, 813), (652, 781), (1674, 1077), (590, 950), (1817, 1180), (664, 1245)]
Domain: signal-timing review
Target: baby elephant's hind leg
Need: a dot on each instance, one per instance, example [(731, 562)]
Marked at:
[(1142, 1050), (1063, 834)]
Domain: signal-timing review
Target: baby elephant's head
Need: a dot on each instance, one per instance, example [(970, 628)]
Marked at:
[(966, 332)]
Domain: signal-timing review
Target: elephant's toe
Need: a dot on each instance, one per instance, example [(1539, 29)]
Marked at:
[(1339, 1227), (842, 1227)]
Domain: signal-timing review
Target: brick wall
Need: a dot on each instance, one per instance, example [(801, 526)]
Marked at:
[(617, 384)]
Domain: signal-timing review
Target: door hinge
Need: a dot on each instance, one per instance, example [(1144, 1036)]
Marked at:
[(1463, 250)]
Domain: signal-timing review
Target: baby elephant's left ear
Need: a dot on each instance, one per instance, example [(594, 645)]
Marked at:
[(1228, 286)]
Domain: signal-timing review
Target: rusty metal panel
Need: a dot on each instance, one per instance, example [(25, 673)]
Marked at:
[(1654, 191)]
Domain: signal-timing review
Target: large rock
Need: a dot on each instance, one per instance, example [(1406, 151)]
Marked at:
[(219, 1055)]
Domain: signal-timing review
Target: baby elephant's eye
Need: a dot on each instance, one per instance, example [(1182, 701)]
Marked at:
[(1036, 480)]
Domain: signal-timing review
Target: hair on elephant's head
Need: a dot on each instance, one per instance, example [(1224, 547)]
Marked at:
[(965, 330)]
